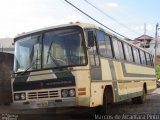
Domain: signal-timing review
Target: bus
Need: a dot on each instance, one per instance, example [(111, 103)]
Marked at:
[(79, 64)]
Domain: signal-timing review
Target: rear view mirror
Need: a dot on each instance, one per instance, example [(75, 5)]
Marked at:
[(91, 38)]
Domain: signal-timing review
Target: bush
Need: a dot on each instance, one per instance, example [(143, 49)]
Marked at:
[(158, 71)]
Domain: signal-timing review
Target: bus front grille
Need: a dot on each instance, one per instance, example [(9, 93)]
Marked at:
[(43, 94)]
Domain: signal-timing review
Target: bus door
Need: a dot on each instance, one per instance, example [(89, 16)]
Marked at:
[(94, 59)]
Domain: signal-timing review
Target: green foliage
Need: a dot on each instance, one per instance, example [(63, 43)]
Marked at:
[(158, 71)]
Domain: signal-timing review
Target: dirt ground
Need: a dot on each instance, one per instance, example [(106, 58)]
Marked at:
[(150, 108)]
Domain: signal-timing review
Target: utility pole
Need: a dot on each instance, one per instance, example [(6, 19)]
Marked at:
[(156, 43), (144, 45)]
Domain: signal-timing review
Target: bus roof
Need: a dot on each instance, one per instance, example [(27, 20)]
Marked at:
[(82, 25)]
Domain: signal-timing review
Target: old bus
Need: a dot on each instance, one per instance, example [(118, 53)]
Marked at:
[(79, 65)]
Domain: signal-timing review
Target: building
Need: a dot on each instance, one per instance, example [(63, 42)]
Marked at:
[(148, 43), (143, 41), (6, 45), (6, 65)]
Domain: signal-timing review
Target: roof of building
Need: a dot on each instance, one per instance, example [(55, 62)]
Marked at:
[(144, 37)]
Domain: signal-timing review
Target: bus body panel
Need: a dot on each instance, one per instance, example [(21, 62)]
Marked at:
[(43, 88), (127, 81)]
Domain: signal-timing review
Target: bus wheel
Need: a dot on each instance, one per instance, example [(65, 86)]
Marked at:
[(134, 100), (102, 109), (141, 99)]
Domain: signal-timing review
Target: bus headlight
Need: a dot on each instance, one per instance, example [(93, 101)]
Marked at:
[(16, 96), (72, 92), (64, 93), (23, 96), (19, 96), (68, 93)]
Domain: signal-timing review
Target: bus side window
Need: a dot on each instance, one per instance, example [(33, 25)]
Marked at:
[(152, 62), (101, 43), (108, 46), (120, 48), (93, 55), (94, 59), (115, 48), (136, 55), (104, 43), (128, 52), (148, 59), (143, 58)]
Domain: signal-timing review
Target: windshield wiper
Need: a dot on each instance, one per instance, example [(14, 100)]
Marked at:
[(49, 51), (34, 62), (52, 57)]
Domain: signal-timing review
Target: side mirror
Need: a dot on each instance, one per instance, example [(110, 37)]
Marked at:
[(91, 38)]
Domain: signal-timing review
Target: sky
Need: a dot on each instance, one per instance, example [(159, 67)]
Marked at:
[(127, 17)]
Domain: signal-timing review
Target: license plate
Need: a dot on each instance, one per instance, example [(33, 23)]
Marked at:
[(42, 104)]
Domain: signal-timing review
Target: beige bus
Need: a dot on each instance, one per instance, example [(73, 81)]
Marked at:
[(79, 65)]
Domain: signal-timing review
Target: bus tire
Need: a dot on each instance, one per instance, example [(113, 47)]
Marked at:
[(102, 109), (140, 99), (134, 100)]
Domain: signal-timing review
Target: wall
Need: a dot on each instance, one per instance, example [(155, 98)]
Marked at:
[(6, 66)]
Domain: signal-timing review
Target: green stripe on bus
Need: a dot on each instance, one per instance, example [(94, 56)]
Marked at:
[(134, 74), (22, 78), (115, 82)]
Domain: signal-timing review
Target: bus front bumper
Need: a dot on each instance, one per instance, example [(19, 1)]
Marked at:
[(68, 102)]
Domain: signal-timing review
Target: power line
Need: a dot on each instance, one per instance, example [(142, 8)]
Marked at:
[(110, 17), (65, 3), (94, 19)]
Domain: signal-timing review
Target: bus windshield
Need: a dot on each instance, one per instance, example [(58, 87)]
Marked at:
[(57, 48), (27, 53)]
